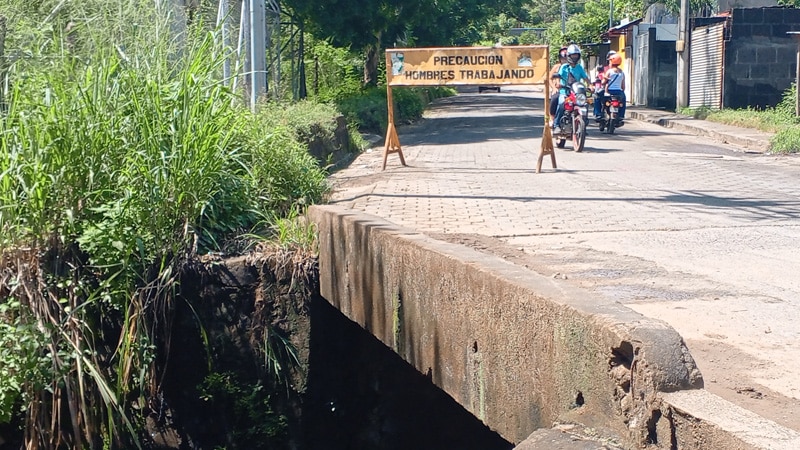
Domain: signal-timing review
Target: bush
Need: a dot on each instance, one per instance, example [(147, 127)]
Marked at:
[(306, 118), (369, 112), (786, 140), (786, 107), (281, 170), (366, 109)]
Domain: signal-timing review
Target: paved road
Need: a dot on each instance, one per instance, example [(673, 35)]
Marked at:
[(703, 235)]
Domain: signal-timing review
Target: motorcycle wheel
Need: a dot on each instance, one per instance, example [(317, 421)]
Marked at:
[(602, 125), (611, 121), (579, 135)]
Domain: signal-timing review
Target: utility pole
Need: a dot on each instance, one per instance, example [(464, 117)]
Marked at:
[(682, 47), (257, 47), (611, 15), (243, 51), (274, 45), (222, 24), (563, 17)]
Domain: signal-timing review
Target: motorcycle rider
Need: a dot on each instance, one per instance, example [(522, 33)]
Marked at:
[(569, 73), (599, 94), (555, 83), (614, 84)]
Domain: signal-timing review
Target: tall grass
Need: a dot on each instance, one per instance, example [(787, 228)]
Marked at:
[(118, 163)]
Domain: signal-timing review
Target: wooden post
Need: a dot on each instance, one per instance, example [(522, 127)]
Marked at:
[(547, 135), (392, 144)]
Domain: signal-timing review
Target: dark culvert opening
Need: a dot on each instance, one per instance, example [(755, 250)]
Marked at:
[(361, 394)]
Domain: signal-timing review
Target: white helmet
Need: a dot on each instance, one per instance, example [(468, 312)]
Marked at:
[(573, 53)]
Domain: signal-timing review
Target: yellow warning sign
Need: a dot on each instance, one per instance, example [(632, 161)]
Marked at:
[(507, 65)]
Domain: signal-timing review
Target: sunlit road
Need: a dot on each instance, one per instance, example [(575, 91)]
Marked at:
[(677, 227)]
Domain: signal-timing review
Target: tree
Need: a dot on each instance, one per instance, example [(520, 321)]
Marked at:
[(369, 27)]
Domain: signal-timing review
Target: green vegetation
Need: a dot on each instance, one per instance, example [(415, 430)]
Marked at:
[(248, 405), (780, 120), (124, 154), (367, 109), (118, 163)]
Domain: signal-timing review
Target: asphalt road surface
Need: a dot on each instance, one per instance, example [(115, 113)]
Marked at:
[(702, 235)]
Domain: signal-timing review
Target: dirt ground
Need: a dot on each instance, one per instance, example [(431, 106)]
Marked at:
[(726, 370)]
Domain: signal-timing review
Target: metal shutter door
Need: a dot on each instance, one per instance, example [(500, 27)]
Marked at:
[(706, 66)]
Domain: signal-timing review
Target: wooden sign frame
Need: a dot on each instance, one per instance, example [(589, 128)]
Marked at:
[(496, 66)]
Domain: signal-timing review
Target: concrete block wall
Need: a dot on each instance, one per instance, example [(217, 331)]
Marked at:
[(760, 58)]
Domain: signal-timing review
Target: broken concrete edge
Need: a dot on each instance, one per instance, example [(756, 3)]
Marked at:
[(685, 123), (712, 422), (724, 424), (569, 437), (483, 329)]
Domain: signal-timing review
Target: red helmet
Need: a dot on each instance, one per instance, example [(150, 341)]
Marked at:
[(615, 59)]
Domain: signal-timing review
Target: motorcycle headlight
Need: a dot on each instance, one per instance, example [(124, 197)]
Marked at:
[(580, 99)]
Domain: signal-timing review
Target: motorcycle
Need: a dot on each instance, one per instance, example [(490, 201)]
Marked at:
[(573, 122), (610, 120)]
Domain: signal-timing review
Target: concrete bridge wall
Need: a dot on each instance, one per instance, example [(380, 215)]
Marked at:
[(517, 349)]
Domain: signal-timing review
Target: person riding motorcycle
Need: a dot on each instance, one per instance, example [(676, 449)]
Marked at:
[(599, 94), (555, 82), (569, 73), (614, 84)]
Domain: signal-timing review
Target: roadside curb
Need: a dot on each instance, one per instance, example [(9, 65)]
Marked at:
[(753, 140)]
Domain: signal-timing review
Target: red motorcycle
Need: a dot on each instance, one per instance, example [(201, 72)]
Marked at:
[(573, 122), (610, 118)]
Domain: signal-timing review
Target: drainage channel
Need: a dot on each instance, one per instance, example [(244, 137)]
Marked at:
[(361, 394)]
